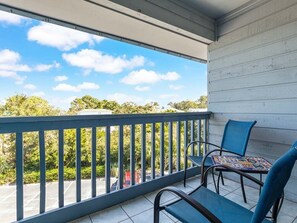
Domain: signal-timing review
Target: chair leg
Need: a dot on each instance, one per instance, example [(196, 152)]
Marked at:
[(260, 189), (218, 182), (185, 171), (242, 189), (214, 180), (222, 177), (156, 215)]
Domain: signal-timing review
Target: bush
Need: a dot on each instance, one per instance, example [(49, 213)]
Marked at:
[(51, 175)]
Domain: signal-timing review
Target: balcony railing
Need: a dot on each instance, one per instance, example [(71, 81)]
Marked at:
[(158, 162)]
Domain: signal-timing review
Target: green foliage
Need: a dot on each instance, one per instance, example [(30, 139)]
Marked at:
[(51, 175), (89, 102), (187, 105), (21, 105)]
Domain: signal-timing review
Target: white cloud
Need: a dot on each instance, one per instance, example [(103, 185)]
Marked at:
[(10, 65), (148, 77), (2, 102), (13, 75), (176, 87), (9, 57), (11, 19), (88, 86), (61, 78), (170, 76), (46, 67), (60, 37), (38, 94), (30, 86), (166, 96), (121, 98), (78, 88), (63, 103), (95, 60), (9, 61), (139, 88)]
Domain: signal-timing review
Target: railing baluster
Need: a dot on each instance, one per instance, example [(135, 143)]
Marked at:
[(162, 149), (78, 165), (170, 147), (42, 168), (121, 157), (132, 154), (153, 152), (192, 136), (205, 136), (107, 159), (93, 163), (178, 144), (185, 136), (19, 176), (143, 153), (192, 139), (199, 137), (61, 168)]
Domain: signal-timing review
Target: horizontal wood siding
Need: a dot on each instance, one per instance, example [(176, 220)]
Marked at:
[(252, 75)]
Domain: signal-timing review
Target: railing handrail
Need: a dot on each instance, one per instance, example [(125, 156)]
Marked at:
[(45, 123)]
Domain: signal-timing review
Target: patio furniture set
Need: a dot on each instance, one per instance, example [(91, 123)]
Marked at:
[(204, 205)]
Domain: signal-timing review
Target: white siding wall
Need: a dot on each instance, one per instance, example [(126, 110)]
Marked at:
[(252, 75)]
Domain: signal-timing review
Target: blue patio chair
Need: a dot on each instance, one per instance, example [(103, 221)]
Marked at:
[(204, 205), (235, 139)]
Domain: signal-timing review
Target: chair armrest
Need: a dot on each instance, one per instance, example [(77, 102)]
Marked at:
[(199, 141), (195, 204), (255, 180)]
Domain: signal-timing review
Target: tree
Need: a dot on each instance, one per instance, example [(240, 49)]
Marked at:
[(89, 102), (22, 105), (202, 102), (187, 105)]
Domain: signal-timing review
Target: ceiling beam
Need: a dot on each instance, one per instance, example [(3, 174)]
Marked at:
[(106, 18)]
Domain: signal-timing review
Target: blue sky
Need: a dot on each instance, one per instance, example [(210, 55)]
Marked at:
[(60, 64)]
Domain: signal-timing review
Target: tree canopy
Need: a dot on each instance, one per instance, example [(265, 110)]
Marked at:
[(187, 105)]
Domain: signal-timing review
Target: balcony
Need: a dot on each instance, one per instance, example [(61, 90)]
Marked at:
[(157, 163), (250, 49)]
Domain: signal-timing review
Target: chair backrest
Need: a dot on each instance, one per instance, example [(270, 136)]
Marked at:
[(275, 182), (236, 136)]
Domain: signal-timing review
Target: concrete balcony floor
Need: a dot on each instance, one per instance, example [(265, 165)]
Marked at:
[(140, 209)]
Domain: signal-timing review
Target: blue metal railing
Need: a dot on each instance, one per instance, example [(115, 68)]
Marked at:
[(198, 123)]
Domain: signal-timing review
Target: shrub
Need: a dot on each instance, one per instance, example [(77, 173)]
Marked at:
[(51, 175)]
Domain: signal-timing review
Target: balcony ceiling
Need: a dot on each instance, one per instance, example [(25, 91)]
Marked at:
[(215, 8), (183, 28)]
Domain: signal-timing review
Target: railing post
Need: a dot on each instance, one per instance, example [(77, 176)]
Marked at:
[(153, 152), (42, 172), (162, 157), (143, 153), (132, 154), (205, 139), (61, 168), (93, 162), (107, 159), (19, 176), (178, 144), (121, 157), (192, 138), (78, 165), (185, 138), (199, 137), (170, 147)]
